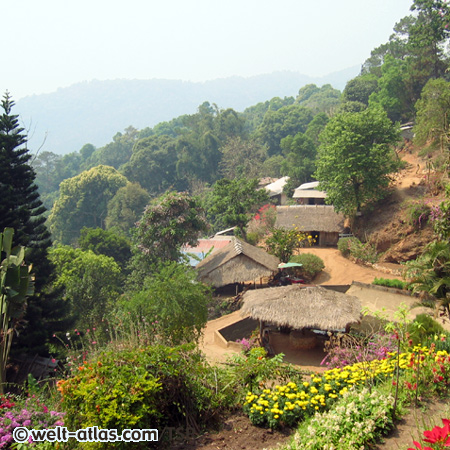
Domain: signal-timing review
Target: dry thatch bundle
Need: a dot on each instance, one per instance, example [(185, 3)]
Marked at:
[(310, 218), (299, 307), (236, 263)]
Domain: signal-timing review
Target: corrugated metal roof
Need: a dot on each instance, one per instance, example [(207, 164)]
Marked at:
[(276, 188)]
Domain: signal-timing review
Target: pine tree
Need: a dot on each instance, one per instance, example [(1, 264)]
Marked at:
[(20, 206), (22, 210)]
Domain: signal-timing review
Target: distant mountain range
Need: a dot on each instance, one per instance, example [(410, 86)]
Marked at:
[(93, 112)]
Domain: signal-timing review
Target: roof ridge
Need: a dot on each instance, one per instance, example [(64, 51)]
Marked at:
[(238, 246)]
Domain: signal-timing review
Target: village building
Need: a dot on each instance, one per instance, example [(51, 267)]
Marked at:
[(275, 191), (308, 194), (321, 222), (237, 262)]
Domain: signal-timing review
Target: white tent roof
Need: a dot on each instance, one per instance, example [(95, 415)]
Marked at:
[(276, 188)]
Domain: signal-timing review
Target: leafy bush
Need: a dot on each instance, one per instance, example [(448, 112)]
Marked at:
[(397, 284), (250, 370), (311, 264), (283, 242), (133, 388), (417, 214), (353, 247), (175, 299), (253, 237), (424, 327), (344, 245)]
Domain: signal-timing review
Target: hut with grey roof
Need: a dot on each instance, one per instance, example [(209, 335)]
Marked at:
[(320, 221), (237, 262), (308, 194)]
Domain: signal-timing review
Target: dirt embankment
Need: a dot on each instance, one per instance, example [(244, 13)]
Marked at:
[(389, 225)]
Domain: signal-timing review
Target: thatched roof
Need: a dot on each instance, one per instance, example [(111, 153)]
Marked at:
[(235, 263), (310, 218), (299, 307)]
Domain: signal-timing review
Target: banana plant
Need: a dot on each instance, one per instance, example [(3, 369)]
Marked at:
[(16, 284)]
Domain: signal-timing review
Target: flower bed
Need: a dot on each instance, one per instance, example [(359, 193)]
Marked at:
[(422, 369)]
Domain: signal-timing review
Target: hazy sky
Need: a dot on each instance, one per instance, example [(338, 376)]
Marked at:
[(47, 44)]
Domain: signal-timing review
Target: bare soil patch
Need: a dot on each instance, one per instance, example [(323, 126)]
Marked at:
[(237, 433)]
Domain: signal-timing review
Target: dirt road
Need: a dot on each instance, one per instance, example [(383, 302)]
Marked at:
[(340, 270)]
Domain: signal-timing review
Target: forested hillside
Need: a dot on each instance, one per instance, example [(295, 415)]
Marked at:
[(102, 108)]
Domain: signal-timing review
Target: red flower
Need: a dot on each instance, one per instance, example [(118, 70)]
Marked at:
[(440, 435), (419, 447)]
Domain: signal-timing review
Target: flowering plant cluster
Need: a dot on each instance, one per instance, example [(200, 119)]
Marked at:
[(31, 413), (109, 395), (267, 215), (345, 350), (247, 344), (428, 371), (289, 404), (439, 437), (353, 422)]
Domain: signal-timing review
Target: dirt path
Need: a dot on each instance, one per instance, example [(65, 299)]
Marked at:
[(340, 270)]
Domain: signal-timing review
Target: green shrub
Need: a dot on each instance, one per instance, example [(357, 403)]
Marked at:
[(417, 214), (424, 327), (398, 284), (312, 264), (158, 385), (344, 245), (254, 369), (253, 237), (352, 246)]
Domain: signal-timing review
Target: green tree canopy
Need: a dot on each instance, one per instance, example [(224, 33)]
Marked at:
[(433, 111), (356, 158), (359, 88), (288, 120), (242, 157), (90, 283), (428, 36), (152, 163), (168, 223), (174, 299), (325, 99), (126, 208), (106, 242), (83, 202), (299, 165), (114, 154), (234, 202), (391, 92)]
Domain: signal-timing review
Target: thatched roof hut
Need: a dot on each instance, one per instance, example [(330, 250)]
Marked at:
[(236, 263), (320, 220), (299, 307), (310, 217)]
